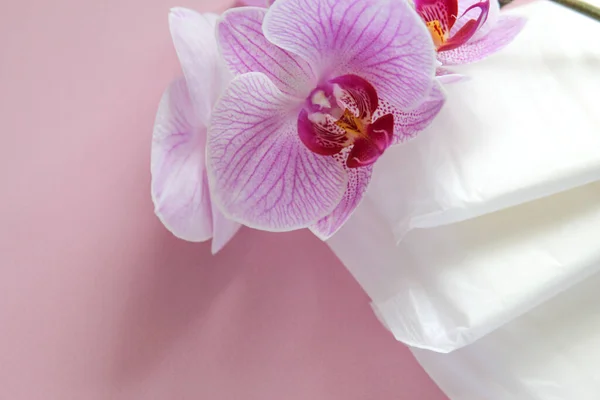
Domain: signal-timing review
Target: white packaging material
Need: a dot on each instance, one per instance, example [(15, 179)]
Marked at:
[(495, 206), (550, 353), (442, 288), (525, 126)]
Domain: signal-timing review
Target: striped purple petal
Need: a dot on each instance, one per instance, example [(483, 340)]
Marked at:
[(245, 49), (204, 71), (382, 41), (358, 181), (260, 172)]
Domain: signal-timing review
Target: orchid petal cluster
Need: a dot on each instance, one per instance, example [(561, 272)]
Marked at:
[(180, 190), (284, 109), (466, 31)]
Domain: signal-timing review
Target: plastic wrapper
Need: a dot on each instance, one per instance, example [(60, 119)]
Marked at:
[(550, 353), (526, 125), (493, 210), (442, 288)]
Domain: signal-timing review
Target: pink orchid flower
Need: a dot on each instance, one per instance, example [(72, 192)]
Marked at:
[(465, 31), (323, 88), (180, 188)]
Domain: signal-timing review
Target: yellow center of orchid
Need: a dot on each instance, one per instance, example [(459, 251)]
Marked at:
[(353, 126), (437, 33)]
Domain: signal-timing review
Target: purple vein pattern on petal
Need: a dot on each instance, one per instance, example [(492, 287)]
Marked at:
[(205, 73), (407, 124), (382, 41), (505, 30), (179, 182), (245, 49), (358, 181), (260, 172)]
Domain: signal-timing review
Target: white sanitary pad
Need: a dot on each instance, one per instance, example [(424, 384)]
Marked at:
[(494, 206), (551, 353)]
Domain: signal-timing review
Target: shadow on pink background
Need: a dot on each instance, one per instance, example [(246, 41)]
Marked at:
[(97, 299)]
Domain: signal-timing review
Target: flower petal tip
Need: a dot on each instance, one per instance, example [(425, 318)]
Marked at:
[(322, 234), (180, 12), (224, 229)]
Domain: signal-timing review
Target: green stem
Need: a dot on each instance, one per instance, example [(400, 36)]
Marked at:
[(581, 7)]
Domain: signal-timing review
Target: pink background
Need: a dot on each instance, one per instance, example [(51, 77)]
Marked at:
[(97, 299)]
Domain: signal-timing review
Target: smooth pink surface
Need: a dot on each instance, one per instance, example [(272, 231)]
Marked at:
[(97, 299)]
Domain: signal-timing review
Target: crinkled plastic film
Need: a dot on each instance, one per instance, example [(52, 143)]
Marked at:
[(480, 238)]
